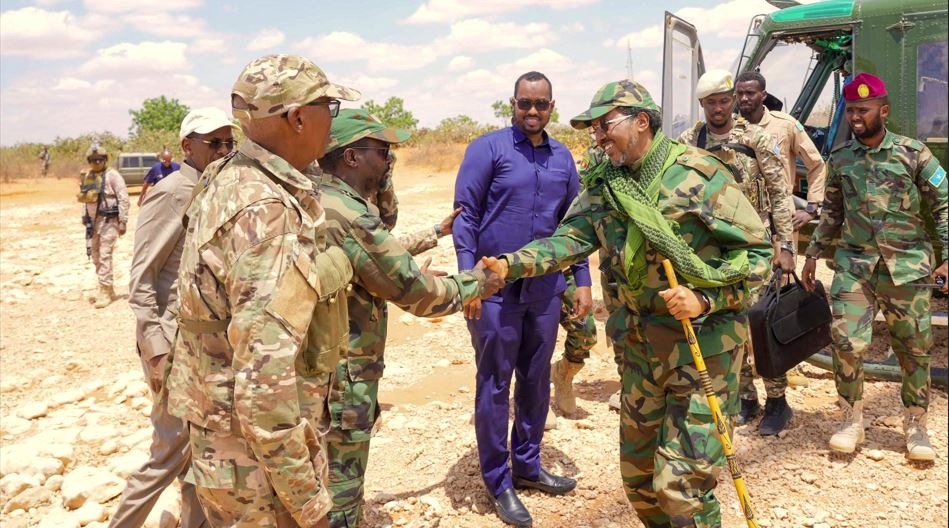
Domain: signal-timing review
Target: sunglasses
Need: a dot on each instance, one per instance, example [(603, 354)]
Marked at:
[(385, 150), (605, 126), (332, 104), (542, 105), (97, 160), (216, 144)]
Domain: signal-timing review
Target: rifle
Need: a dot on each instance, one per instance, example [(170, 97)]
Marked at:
[(87, 221)]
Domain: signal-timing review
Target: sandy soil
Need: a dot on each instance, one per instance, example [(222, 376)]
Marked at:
[(423, 465)]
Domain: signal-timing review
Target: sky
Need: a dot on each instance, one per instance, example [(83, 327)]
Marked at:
[(69, 67)]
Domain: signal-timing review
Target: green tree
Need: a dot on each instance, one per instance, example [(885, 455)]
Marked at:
[(502, 111), (158, 113), (392, 113)]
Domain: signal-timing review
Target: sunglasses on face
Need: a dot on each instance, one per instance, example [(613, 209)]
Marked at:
[(385, 150), (97, 160), (542, 105), (216, 143), (605, 126), (332, 104)]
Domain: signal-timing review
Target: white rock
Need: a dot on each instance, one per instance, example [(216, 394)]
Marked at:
[(56, 380), (108, 447), (67, 396), (167, 510), (63, 452), (92, 386), (125, 465), (10, 384), (16, 458), (136, 388), (91, 512), (584, 424), (28, 498), (96, 434), (141, 402), (442, 363), (59, 519), (875, 455), (31, 410), (780, 513), (88, 483), (45, 466), (14, 425), (54, 483), (138, 437), (14, 483)]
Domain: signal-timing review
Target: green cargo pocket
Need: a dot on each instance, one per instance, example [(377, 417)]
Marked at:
[(214, 474), (328, 333)]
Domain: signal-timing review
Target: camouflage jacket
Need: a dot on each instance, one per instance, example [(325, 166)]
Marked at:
[(763, 180), (875, 195), (384, 271), (260, 328), (713, 216)]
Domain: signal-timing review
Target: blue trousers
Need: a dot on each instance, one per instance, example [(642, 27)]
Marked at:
[(512, 338)]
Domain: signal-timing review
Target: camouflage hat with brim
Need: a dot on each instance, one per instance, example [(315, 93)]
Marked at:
[(351, 125), (273, 84), (612, 95)]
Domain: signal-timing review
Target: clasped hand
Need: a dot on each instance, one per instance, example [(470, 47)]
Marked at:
[(495, 271)]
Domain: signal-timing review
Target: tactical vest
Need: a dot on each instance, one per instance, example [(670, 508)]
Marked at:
[(91, 186)]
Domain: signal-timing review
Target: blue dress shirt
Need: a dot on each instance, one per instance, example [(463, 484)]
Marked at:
[(514, 193), (158, 172)]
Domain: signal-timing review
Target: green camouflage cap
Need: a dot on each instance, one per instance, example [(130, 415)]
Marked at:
[(351, 125), (615, 94), (273, 84)]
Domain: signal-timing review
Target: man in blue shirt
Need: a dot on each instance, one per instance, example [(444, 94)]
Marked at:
[(514, 186), (158, 172)]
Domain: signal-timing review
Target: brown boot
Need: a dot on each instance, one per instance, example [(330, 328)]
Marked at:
[(104, 297), (917, 439), (851, 433), (561, 374)]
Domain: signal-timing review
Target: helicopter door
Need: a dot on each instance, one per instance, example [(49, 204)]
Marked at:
[(682, 65)]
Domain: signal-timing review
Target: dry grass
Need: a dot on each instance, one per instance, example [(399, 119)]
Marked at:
[(438, 157)]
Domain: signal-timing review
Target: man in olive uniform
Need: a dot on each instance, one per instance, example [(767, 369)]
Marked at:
[(352, 174), (761, 174), (105, 208), (875, 187), (262, 318), (659, 199)]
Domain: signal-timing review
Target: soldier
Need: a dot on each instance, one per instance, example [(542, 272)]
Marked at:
[(44, 160), (756, 161), (659, 199), (261, 314), (353, 173), (875, 187), (105, 214), (794, 144), (205, 135)]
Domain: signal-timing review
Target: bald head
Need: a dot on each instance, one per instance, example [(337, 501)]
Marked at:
[(165, 157)]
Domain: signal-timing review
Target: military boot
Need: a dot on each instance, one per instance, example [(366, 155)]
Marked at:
[(917, 440), (749, 409), (777, 413), (846, 439), (105, 296), (561, 374)]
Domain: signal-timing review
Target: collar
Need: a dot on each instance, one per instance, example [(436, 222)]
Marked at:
[(275, 165), (189, 172), (332, 182), (887, 143), (765, 118), (519, 137)]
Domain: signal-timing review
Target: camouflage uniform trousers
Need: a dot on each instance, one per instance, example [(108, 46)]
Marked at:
[(670, 454), (233, 487), (854, 301), (104, 235), (581, 335), (348, 445), (774, 387)]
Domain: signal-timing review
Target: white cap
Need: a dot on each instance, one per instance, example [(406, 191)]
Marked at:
[(204, 120), (713, 82)]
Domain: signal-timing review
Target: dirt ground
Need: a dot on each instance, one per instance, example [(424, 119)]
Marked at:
[(423, 465)]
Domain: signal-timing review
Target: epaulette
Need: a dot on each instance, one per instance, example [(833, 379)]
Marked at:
[(787, 117), (910, 143), (706, 164)]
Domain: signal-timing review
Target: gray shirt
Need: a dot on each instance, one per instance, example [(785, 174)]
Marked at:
[(159, 240)]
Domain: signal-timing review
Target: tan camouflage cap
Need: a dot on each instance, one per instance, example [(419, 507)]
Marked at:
[(615, 94), (351, 125), (273, 84), (96, 149)]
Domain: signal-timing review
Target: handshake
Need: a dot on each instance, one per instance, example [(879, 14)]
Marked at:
[(495, 272)]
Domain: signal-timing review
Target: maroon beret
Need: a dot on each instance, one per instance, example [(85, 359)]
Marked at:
[(864, 86)]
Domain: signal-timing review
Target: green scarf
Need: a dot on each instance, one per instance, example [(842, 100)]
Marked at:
[(634, 193)]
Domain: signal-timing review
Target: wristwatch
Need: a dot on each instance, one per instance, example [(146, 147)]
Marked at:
[(812, 208), (438, 230), (788, 246), (708, 303)]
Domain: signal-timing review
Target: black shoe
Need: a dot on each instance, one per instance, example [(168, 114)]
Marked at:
[(547, 483), (511, 510), (749, 409), (777, 412)]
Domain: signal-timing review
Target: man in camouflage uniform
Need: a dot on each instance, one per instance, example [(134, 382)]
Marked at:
[(353, 173), (261, 314), (670, 454), (105, 208), (875, 187), (756, 161)]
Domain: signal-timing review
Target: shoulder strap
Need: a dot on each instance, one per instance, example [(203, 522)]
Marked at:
[(737, 147), (703, 137)]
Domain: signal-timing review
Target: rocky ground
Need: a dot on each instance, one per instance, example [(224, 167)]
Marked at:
[(73, 408)]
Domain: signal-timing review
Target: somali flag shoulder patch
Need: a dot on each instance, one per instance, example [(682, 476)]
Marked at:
[(938, 177)]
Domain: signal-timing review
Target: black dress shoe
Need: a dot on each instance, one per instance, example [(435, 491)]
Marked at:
[(547, 483), (749, 409), (777, 412), (511, 510)]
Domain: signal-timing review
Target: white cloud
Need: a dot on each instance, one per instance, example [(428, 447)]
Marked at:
[(342, 46), (573, 27), (181, 26), (266, 38), (42, 34), (144, 59), (543, 60), (208, 45), (370, 87), (139, 6), (649, 37), (461, 62), (432, 11), (484, 36)]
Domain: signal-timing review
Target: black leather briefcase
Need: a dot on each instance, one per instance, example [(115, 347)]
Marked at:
[(788, 325)]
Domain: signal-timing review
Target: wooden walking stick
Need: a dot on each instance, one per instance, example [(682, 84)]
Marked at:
[(743, 497)]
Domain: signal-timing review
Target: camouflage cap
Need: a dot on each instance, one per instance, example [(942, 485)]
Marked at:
[(273, 84), (612, 95), (351, 125)]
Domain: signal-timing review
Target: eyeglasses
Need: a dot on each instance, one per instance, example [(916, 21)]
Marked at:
[(332, 105), (385, 150), (605, 126), (217, 143), (542, 105), (97, 160)]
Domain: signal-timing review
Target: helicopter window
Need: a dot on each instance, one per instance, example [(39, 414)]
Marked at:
[(786, 68), (932, 98)]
